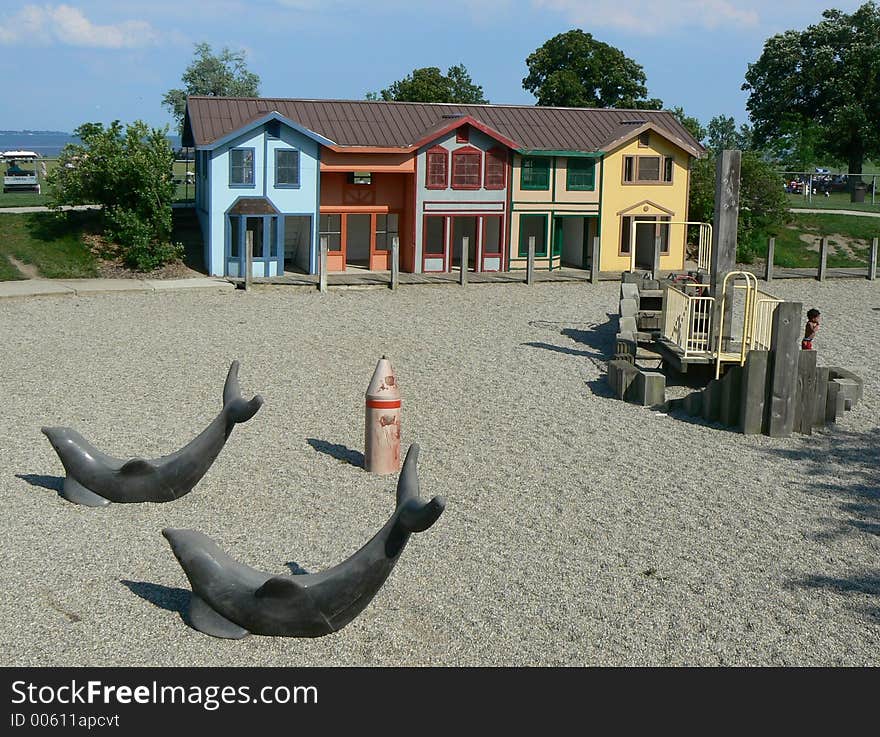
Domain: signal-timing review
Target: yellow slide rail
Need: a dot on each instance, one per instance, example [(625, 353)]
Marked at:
[(765, 306), (758, 309)]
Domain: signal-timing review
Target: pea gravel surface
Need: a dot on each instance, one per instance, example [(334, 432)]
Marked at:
[(579, 530)]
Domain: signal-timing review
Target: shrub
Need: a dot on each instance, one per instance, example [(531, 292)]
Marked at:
[(129, 173)]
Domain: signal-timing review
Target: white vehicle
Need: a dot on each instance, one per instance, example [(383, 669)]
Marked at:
[(20, 171)]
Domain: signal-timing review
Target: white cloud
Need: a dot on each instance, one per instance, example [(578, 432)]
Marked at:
[(63, 24), (649, 17)]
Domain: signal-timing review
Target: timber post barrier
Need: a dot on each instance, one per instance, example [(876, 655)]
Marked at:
[(322, 265), (768, 269)]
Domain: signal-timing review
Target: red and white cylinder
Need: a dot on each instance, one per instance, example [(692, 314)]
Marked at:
[(382, 421)]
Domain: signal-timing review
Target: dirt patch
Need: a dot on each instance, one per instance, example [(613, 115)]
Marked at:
[(110, 265), (28, 271), (837, 244)]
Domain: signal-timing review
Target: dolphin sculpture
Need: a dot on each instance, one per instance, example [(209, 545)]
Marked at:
[(96, 479), (232, 600)]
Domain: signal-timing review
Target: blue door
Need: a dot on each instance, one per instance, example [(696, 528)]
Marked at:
[(264, 235)]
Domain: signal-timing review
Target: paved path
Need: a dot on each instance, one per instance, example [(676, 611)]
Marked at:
[(80, 287), (827, 211), (43, 208)]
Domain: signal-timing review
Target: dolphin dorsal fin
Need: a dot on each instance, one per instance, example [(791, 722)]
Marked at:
[(137, 467), (282, 587)]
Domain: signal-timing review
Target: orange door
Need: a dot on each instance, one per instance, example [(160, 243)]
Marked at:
[(333, 229)]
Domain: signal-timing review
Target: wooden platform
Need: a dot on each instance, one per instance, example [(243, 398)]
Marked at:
[(674, 356)]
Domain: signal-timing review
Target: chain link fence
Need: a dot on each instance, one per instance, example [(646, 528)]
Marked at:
[(823, 189)]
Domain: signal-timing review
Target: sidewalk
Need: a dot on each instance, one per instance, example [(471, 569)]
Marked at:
[(43, 208), (82, 287)]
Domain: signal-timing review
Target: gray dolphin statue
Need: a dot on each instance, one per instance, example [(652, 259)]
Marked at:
[(96, 479), (232, 600)]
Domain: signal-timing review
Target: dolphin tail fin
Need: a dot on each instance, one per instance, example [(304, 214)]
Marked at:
[(408, 481), (205, 619), (238, 409), (415, 515), (418, 517)]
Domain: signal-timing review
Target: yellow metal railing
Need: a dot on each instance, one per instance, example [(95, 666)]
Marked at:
[(704, 248), (704, 251), (765, 306), (687, 321)]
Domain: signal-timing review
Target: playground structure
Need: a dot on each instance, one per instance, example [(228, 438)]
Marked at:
[(18, 178), (745, 341)]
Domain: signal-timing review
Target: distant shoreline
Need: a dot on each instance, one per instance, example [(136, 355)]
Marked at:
[(47, 144)]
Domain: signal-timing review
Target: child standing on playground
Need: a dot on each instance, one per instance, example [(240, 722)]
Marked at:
[(810, 329)]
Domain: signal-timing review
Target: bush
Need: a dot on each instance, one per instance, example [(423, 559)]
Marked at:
[(129, 173), (138, 246)]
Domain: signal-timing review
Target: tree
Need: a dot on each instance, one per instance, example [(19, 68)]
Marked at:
[(128, 173), (691, 124), (721, 133), (429, 84), (222, 75), (573, 69), (762, 203), (826, 77)]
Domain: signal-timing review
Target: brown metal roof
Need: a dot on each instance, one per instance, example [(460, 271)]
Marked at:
[(402, 124)]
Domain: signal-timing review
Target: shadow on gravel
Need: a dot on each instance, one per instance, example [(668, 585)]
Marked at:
[(339, 452), (595, 343), (845, 466), (165, 597), (600, 388), (295, 568), (53, 483)]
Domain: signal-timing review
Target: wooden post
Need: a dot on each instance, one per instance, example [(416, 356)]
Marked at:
[(395, 261), (594, 260), (724, 233), (530, 264), (872, 261), (656, 257), (768, 270), (248, 261), (785, 348), (322, 265), (465, 247), (823, 259), (805, 396)]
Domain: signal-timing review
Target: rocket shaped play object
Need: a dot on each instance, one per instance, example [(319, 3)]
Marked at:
[(382, 421)]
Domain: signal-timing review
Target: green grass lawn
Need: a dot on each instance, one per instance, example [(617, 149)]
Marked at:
[(54, 245), (849, 235), (835, 201)]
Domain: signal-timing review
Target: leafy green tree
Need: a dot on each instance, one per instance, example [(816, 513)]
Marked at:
[(762, 204), (691, 124), (217, 75), (573, 69), (721, 133), (827, 78), (129, 173), (429, 84)]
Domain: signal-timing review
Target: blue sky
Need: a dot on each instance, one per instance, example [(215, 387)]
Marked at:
[(68, 63)]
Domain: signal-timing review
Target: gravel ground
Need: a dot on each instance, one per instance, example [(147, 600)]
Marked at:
[(579, 530)]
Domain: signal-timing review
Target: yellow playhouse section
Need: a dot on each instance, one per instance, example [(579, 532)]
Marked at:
[(645, 184)]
